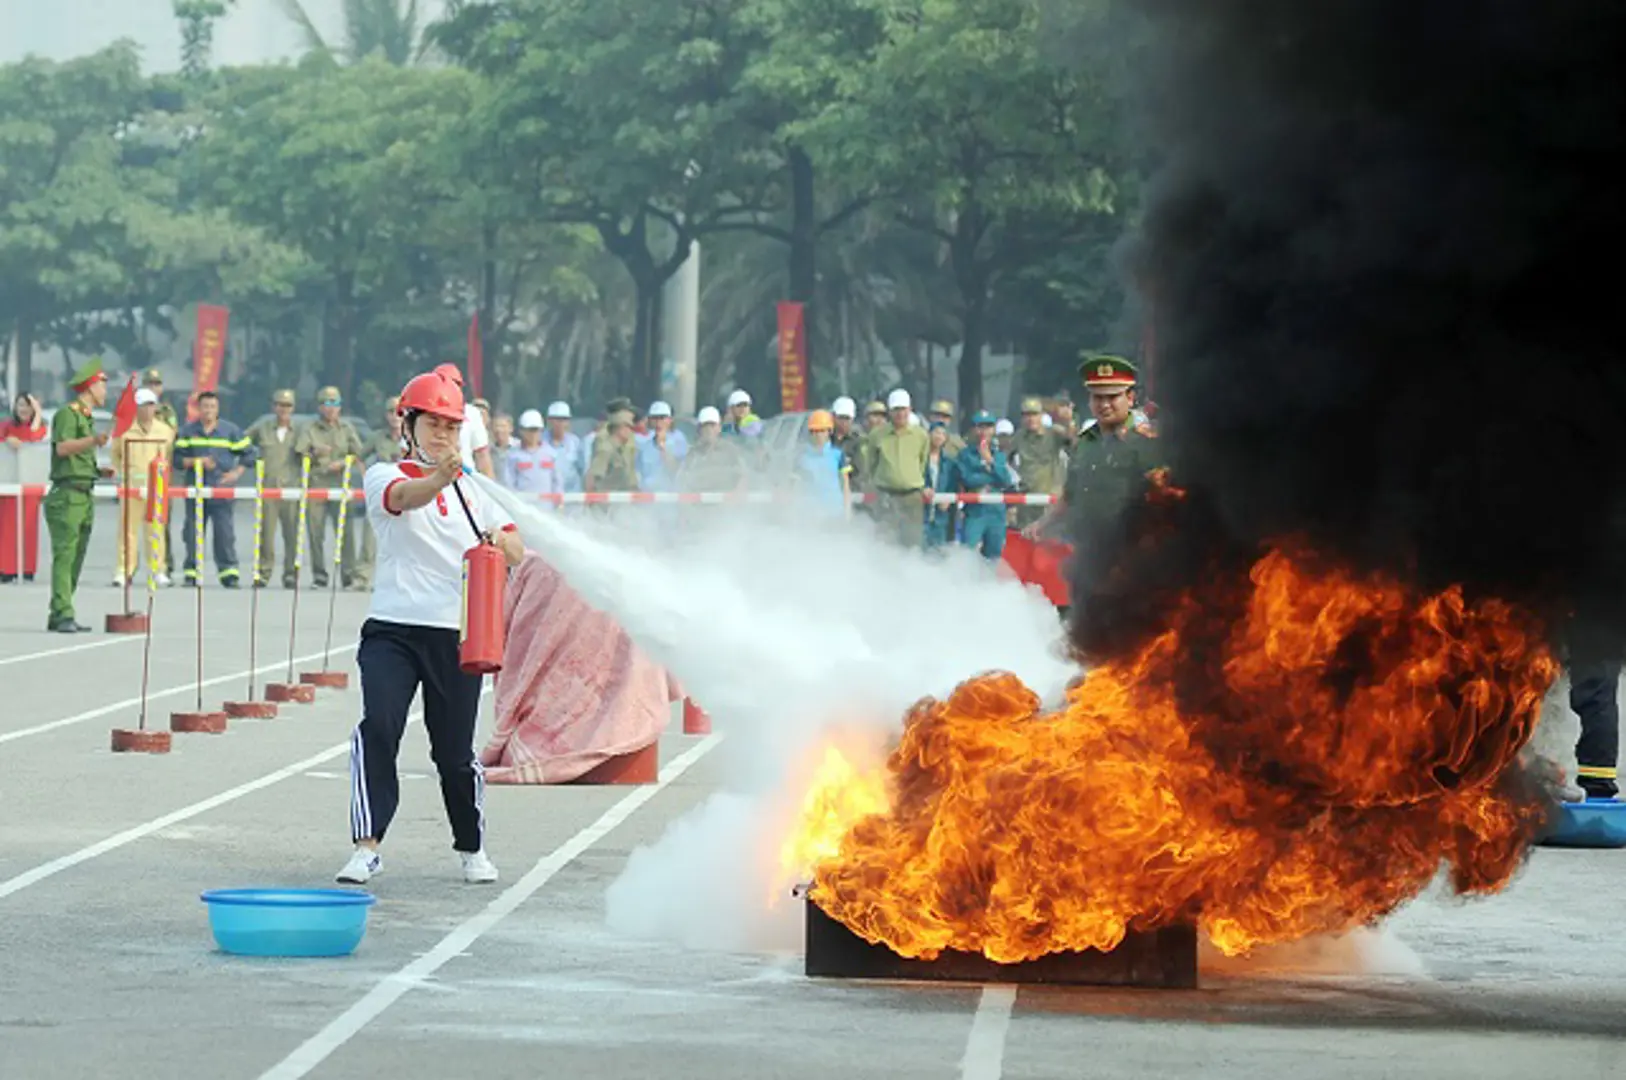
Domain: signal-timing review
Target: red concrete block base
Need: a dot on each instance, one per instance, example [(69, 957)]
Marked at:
[(198, 723), (140, 742), (639, 767), (332, 680), (696, 721), (250, 710), (131, 622), (290, 692)]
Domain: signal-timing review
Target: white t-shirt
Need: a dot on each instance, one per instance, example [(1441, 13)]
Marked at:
[(472, 436), (419, 575)]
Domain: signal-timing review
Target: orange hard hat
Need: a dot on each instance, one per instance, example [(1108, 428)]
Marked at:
[(450, 371), (432, 393), (820, 420)]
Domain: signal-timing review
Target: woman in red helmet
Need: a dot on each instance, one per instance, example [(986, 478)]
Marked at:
[(425, 521)]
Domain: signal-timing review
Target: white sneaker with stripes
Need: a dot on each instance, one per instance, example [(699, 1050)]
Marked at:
[(477, 868), (364, 865)]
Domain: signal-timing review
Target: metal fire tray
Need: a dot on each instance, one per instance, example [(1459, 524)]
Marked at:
[(1164, 959)]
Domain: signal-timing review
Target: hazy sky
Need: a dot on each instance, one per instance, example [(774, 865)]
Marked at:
[(255, 31)]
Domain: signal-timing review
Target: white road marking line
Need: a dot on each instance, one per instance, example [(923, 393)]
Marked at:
[(122, 639), (130, 836), (319, 1047), (985, 1047), (153, 695)]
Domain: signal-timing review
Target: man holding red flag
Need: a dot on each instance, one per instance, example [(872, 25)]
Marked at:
[(69, 510)]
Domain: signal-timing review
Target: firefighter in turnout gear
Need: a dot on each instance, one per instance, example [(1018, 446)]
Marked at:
[(148, 439), (224, 452), (153, 379), (69, 510), (327, 442), (274, 438)]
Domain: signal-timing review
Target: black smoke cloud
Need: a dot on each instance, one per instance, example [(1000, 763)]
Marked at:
[(1383, 247)]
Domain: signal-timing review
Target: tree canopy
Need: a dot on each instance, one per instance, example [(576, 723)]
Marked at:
[(932, 178)]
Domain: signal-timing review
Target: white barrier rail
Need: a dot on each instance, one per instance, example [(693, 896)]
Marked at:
[(612, 498)]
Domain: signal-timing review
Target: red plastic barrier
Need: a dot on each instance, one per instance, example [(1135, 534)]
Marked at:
[(1039, 563)]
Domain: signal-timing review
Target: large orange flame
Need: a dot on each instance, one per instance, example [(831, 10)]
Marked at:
[(1347, 740)]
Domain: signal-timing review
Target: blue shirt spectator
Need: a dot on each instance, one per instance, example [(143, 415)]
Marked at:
[(569, 455), (661, 452), (531, 468)]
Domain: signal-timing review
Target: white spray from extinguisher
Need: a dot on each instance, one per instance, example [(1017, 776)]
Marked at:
[(783, 633)]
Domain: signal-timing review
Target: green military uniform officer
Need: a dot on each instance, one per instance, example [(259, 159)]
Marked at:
[(1038, 454), (153, 380), (275, 438), (383, 445), (69, 509), (326, 442), (1114, 454), (615, 456), (896, 459)]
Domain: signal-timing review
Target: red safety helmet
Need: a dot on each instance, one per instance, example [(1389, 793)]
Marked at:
[(449, 371), (432, 393)]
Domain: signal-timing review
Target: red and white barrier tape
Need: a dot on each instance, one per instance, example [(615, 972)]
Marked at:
[(614, 498)]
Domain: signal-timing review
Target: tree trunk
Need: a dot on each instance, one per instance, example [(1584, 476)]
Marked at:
[(973, 336), (646, 338), (339, 363), (804, 270), (490, 348), (25, 355)]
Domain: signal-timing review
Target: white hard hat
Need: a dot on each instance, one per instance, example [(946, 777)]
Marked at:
[(738, 397), (1048, 421), (146, 397), (915, 420), (530, 420), (559, 410), (708, 415), (898, 399), (659, 408), (845, 406), (1004, 427)]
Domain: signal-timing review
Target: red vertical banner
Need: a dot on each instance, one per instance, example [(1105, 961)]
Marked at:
[(477, 358), (792, 357), (208, 353)]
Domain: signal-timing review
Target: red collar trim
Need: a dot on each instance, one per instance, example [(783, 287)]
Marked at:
[(413, 470)]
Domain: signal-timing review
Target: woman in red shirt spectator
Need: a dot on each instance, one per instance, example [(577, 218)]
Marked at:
[(23, 426)]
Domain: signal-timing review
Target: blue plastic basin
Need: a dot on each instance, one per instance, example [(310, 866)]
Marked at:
[(1596, 823), (288, 922)]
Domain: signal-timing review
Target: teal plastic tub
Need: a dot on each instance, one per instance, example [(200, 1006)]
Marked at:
[(288, 922)]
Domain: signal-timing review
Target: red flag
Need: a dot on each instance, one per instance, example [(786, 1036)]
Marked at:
[(792, 357), (477, 360), (124, 413), (208, 351)]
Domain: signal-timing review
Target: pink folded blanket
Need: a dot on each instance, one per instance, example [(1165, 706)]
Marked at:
[(574, 690)]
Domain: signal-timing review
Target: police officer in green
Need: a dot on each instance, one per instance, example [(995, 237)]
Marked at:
[(1113, 455), (614, 466), (327, 442), (275, 437), (153, 380), (1038, 455), (942, 412), (69, 509)]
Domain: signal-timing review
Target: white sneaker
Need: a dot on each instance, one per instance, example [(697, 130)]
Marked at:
[(118, 581), (364, 865), (477, 869), (164, 582)]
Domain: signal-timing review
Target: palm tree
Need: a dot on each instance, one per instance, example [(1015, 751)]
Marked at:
[(392, 29)]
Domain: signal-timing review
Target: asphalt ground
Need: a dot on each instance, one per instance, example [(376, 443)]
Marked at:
[(107, 968)]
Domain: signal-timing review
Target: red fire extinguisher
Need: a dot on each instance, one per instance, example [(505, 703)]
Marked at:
[(485, 576)]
